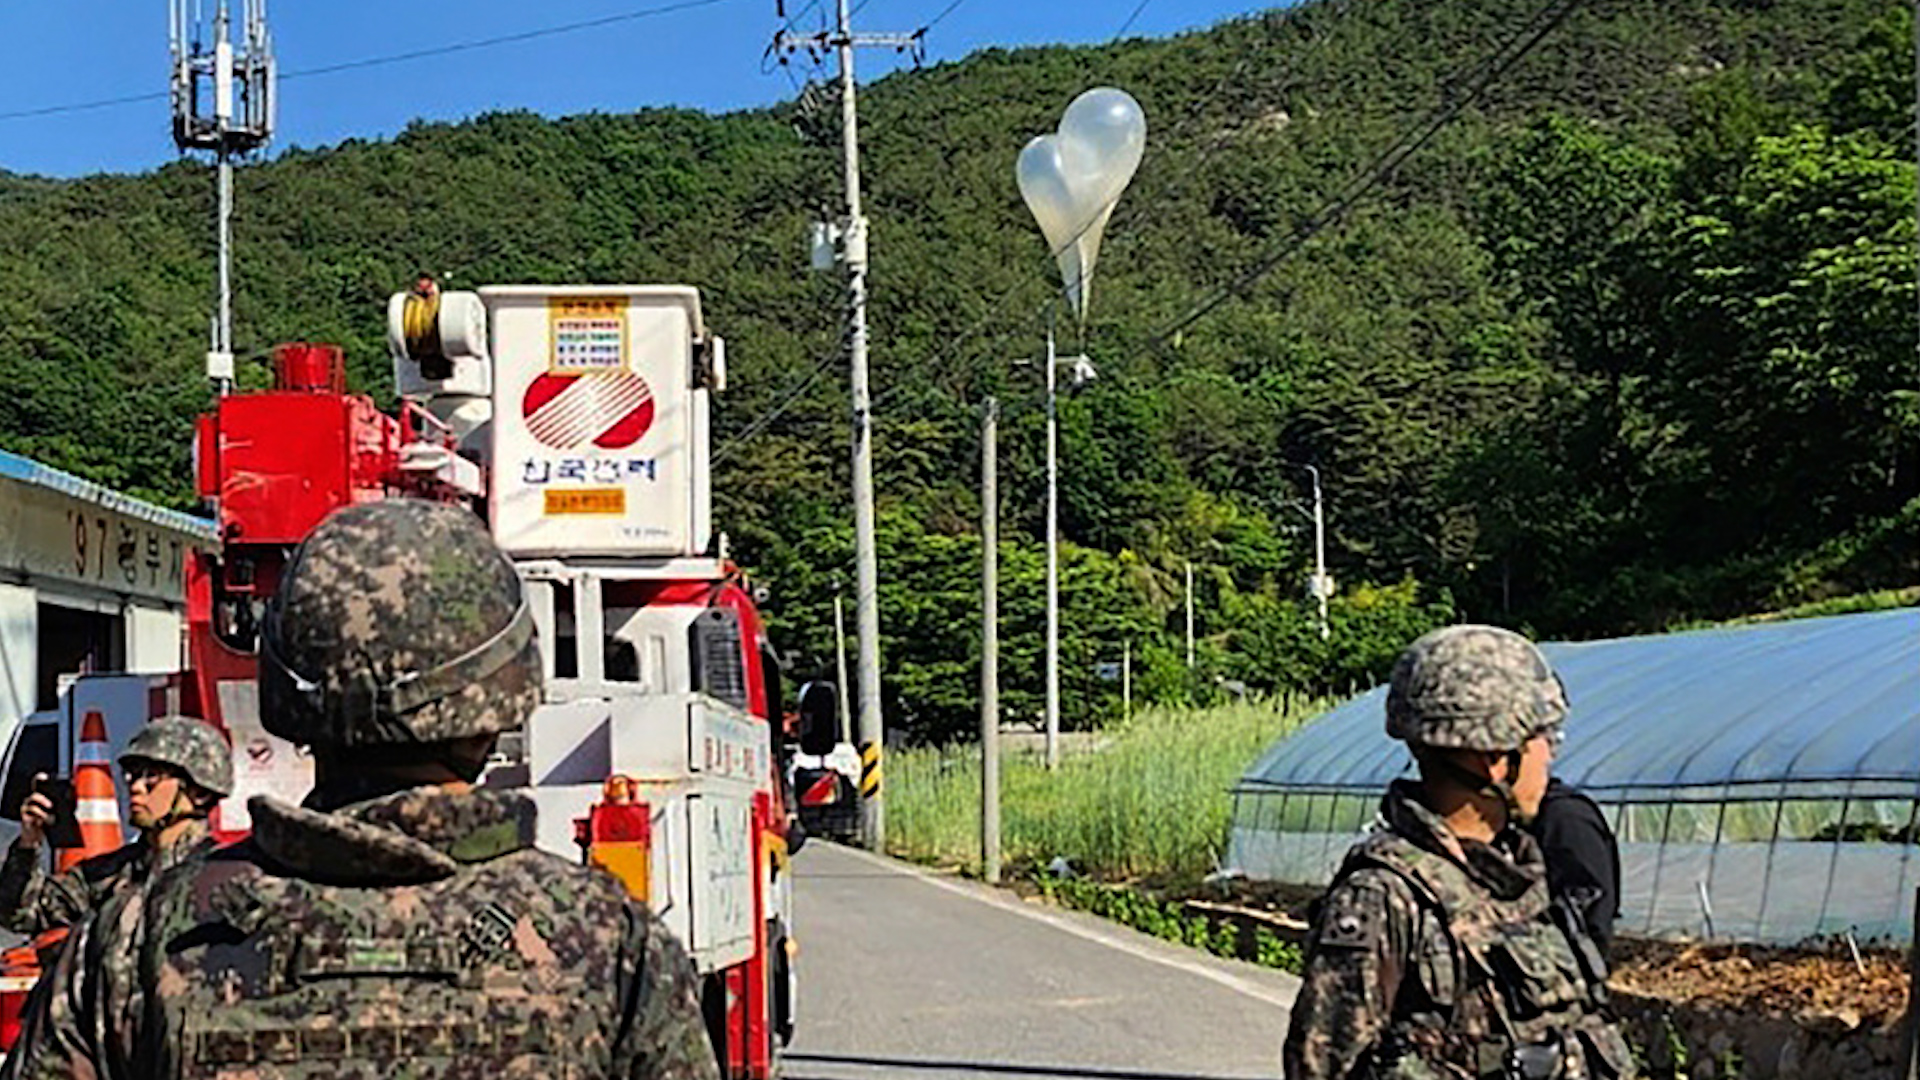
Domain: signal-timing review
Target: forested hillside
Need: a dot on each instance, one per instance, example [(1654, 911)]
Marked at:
[(1631, 342)]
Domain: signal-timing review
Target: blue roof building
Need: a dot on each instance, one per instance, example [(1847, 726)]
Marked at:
[(1764, 780)]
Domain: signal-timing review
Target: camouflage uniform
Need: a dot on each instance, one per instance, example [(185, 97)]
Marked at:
[(31, 901), (417, 933), (1433, 956)]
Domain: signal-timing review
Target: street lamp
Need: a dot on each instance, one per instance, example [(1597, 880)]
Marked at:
[(1321, 587), (1082, 372)]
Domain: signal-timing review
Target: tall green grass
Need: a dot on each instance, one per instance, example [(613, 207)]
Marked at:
[(1150, 801)]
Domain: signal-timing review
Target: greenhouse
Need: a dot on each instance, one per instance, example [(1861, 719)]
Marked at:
[(1764, 781)]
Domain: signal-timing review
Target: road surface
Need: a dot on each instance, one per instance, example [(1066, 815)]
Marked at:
[(921, 977)]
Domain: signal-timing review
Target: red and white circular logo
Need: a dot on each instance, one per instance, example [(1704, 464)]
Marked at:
[(568, 411)]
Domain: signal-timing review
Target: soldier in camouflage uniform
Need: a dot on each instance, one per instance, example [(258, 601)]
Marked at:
[(176, 770), (400, 923), (1436, 951)]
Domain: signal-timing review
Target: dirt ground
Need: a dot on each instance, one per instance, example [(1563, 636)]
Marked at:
[(1816, 985)]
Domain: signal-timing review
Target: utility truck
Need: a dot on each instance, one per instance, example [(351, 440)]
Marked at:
[(575, 420)]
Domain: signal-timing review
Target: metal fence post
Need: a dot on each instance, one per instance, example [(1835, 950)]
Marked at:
[(1911, 1053)]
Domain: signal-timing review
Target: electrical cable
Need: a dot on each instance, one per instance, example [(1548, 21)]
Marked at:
[(503, 39), (380, 61), (1131, 19), (786, 401), (938, 19), (84, 106), (1459, 94)]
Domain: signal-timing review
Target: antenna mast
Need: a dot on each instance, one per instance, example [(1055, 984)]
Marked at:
[(223, 102)]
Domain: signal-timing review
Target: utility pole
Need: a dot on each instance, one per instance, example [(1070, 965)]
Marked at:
[(1189, 614), (1322, 586), (215, 126), (853, 239), (990, 643), (1126, 679), (1053, 553)]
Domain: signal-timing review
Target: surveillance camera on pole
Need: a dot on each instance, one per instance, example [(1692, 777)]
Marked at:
[(223, 102)]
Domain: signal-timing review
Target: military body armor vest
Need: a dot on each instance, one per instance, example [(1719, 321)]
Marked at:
[(1508, 989), (500, 970)]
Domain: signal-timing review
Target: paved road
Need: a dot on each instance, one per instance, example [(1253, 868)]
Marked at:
[(909, 975)]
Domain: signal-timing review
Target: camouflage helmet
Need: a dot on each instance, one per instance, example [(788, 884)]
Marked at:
[(192, 746), (1473, 688), (397, 622)]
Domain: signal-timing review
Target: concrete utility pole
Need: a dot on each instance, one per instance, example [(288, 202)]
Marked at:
[(990, 643), (202, 125), (1322, 586), (1053, 553), (853, 253), (1189, 614)]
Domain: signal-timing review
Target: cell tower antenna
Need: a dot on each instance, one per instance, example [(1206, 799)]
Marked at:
[(223, 103)]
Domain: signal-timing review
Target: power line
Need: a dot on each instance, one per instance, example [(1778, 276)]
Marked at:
[(84, 106), (793, 20), (1460, 93), (937, 20), (503, 39), (395, 58), (778, 409), (1131, 19)]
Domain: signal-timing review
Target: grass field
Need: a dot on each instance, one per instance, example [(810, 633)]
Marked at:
[(1150, 801)]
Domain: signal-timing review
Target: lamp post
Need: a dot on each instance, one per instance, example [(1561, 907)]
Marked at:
[(1322, 585), (1053, 554), (1083, 372)]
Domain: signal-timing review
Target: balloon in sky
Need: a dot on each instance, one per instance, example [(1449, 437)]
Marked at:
[(1073, 178)]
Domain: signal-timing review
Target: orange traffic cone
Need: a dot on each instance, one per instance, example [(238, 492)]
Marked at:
[(95, 804)]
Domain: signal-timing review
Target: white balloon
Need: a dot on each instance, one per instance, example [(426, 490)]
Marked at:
[(1106, 134), (1072, 180), (1043, 183)]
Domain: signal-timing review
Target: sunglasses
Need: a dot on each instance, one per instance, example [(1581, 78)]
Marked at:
[(154, 774)]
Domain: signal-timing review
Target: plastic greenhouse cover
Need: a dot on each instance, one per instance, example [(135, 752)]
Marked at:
[(1824, 707)]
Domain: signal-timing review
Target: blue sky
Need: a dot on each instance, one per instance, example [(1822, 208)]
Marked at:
[(707, 57)]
